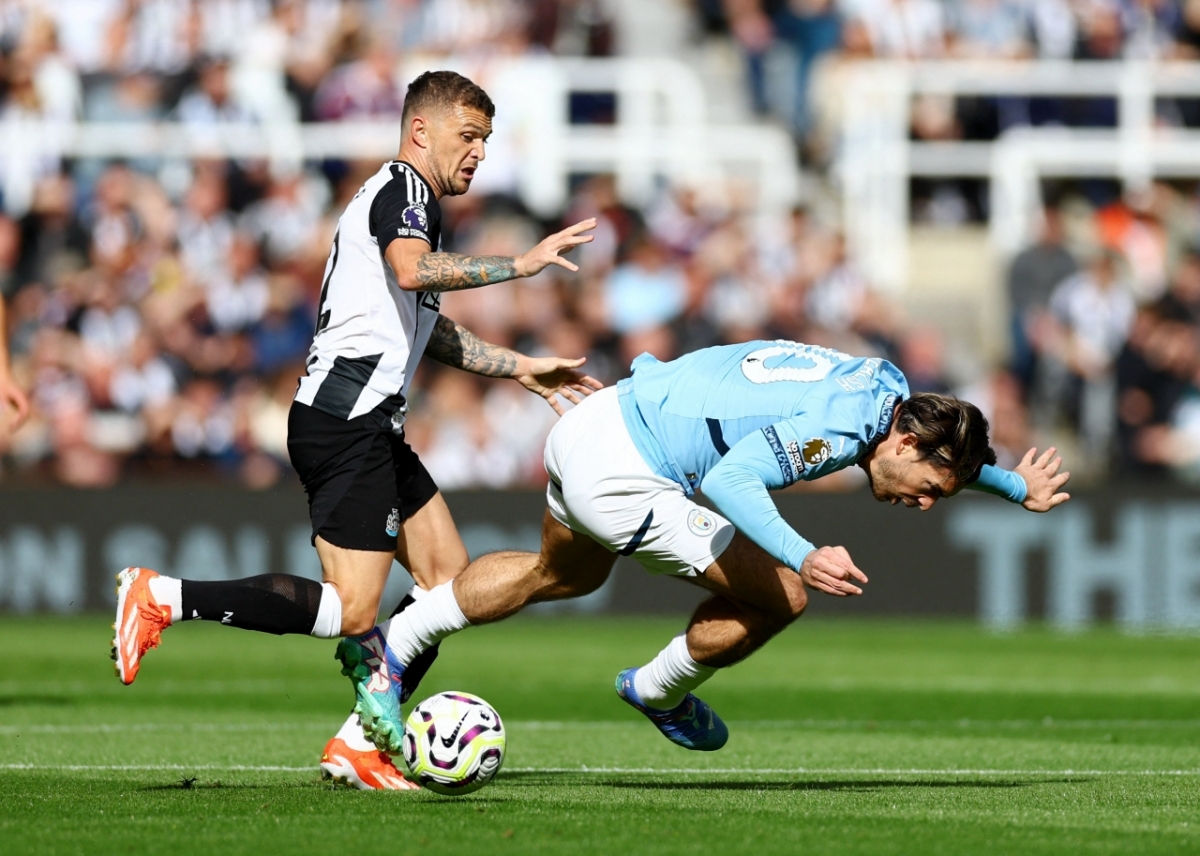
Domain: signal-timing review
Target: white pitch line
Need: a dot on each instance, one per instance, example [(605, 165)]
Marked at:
[(266, 768), (601, 771)]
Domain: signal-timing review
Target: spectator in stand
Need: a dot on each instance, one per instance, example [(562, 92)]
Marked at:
[(905, 29), (236, 298), (1133, 226), (988, 29), (1053, 28), (1032, 278), (923, 359), (1101, 30), (363, 89), (205, 225), (52, 238), (210, 101), (1153, 373), (14, 403), (807, 29), (1182, 299), (287, 219), (647, 289), (1092, 313), (1152, 28)]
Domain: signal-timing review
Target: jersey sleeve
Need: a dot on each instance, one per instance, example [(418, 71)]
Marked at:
[(394, 215), (738, 487), (1000, 482), (793, 449)]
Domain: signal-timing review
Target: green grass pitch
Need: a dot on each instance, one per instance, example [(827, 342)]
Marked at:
[(846, 738)]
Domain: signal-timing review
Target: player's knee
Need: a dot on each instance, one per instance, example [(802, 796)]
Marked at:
[(561, 585), (358, 617), (792, 602), (357, 625)]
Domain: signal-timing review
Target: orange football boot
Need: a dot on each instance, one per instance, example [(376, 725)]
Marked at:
[(368, 771), (140, 621)]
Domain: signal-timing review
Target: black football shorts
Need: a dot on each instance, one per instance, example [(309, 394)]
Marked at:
[(362, 479)]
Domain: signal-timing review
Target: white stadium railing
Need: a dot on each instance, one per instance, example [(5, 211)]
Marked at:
[(661, 131), (876, 159)]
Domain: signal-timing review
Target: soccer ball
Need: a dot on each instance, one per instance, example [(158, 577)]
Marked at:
[(453, 743)]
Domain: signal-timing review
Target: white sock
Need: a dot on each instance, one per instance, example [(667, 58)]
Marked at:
[(664, 681), (329, 614), (416, 592), (351, 734), (425, 623), (169, 593)]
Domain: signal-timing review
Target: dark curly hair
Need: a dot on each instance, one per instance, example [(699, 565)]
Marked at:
[(951, 434)]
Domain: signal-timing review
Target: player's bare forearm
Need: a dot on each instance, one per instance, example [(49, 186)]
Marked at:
[(454, 272), (454, 345)]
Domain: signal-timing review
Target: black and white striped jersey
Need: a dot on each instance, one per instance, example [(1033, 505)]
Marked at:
[(370, 334)]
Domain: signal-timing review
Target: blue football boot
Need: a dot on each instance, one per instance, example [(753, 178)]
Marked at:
[(691, 724), (377, 677)]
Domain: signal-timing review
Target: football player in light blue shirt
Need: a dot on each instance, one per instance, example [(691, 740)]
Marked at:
[(739, 420), (734, 422)]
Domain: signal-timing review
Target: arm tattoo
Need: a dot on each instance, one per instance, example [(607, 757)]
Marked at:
[(453, 272), (454, 345)]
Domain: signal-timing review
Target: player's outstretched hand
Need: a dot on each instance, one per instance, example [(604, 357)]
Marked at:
[(550, 377), (1043, 480), (830, 569), (549, 251), (13, 395)]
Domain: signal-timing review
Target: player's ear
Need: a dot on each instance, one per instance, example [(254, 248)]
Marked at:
[(418, 131), (906, 442)]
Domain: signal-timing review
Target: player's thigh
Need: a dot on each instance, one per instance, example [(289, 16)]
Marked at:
[(571, 563), (748, 574), (602, 487), (359, 577), (429, 545)]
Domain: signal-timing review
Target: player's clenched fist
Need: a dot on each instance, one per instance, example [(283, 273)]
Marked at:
[(549, 251), (830, 569)]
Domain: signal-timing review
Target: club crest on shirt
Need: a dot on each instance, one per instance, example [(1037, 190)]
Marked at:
[(817, 451), (414, 217), (701, 522)]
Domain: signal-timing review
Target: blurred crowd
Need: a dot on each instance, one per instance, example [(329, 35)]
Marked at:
[(1106, 332), (795, 53), (160, 312)]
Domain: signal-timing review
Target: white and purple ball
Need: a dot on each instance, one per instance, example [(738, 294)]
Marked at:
[(453, 743)]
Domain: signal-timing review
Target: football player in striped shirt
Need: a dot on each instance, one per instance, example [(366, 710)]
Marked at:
[(370, 499)]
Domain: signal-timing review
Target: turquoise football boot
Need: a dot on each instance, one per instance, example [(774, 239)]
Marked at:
[(377, 677), (691, 724)]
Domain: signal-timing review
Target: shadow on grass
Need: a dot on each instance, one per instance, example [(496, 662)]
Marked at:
[(532, 779), (846, 785)]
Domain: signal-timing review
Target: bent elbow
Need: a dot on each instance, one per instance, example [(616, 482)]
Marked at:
[(408, 281)]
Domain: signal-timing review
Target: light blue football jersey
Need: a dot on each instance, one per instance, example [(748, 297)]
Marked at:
[(818, 408), (736, 421)]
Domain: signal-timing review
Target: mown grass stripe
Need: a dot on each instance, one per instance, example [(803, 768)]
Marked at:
[(648, 771), (567, 725)]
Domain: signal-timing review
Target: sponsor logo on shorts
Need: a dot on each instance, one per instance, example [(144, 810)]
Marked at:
[(817, 451), (393, 523), (701, 522)]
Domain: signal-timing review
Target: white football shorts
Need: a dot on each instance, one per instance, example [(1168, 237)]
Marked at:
[(601, 486)]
